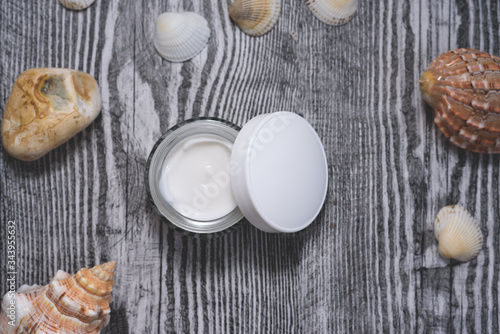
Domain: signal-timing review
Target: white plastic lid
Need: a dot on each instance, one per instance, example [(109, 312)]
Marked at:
[(279, 172)]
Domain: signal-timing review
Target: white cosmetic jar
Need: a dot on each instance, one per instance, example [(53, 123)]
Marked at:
[(277, 167)]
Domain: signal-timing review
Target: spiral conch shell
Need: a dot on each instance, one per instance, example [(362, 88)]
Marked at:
[(463, 87), (76, 4), (68, 304), (333, 12), (255, 17), (458, 234), (180, 36)]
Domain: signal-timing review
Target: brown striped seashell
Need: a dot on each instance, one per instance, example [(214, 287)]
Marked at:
[(458, 234), (255, 17), (68, 304), (76, 4), (463, 87), (333, 12)]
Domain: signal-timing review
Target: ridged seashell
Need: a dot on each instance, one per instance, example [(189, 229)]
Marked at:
[(458, 234), (68, 304), (46, 108), (333, 12), (255, 17), (180, 36), (76, 4), (463, 87)]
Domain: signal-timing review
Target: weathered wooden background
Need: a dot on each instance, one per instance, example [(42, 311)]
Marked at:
[(368, 264)]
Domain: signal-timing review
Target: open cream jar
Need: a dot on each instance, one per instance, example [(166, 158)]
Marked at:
[(205, 174)]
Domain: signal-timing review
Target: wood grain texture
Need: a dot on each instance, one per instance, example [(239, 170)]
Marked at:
[(368, 264)]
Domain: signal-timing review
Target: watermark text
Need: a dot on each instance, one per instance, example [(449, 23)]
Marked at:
[(11, 272)]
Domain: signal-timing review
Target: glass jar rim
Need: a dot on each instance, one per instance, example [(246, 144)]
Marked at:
[(169, 139)]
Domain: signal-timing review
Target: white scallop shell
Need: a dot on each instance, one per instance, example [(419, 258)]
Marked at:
[(76, 4), (180, 36), (458, 234), (255, 17), (333, 12)]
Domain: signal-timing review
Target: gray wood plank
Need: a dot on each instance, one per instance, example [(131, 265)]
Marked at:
[(369, 263)]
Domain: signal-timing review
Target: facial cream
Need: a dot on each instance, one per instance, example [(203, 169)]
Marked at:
[(187, 177), (195, 178), (205, 174)]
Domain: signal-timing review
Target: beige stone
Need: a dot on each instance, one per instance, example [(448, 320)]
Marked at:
[(46, 108)]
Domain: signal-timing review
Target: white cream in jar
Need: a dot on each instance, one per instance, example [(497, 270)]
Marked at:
[(205, 174), (195, 178)]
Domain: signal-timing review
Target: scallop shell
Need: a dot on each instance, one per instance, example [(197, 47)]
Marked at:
[(463, 87), (333, 12), (255, 17), (459, 235), (180, 36), (68, 304), (76, 4)]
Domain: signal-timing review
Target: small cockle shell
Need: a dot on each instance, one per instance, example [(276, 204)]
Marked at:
[(463, 87), (76, 4), (180, 36), (68, 304), (333, 12), (255, 17), (46, 108), (458, 234)]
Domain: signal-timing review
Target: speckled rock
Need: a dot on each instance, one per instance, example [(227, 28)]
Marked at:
[(46, 108)]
